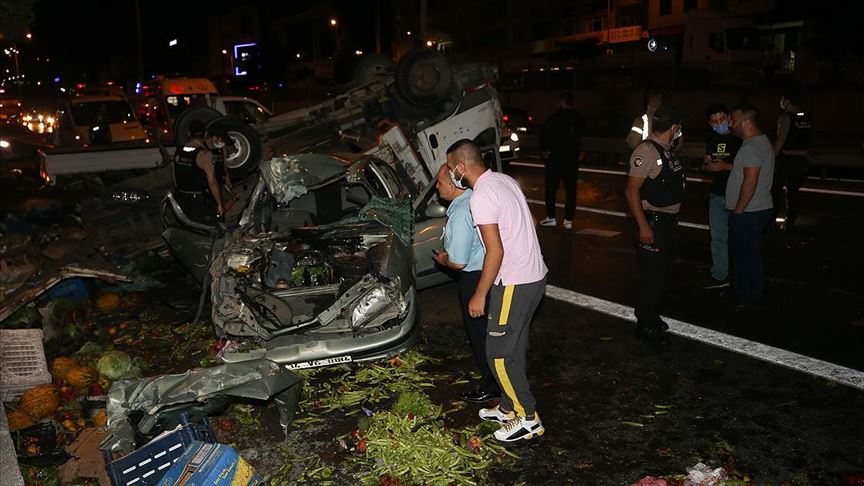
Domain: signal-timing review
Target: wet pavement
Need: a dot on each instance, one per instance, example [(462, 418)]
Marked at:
[(814, 301), (616, 409)]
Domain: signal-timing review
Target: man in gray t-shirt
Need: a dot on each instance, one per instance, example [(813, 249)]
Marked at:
[(756, 152), (748, 197)]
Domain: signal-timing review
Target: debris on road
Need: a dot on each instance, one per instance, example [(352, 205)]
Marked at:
[(703, 475)]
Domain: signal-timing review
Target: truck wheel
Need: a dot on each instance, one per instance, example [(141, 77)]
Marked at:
[(424, 78), (245, 139), (181, 126)]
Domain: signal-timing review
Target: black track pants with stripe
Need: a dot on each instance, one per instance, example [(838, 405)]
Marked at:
[(511, 308)]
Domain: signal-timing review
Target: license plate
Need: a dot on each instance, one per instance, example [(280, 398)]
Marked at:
[(319, 363)]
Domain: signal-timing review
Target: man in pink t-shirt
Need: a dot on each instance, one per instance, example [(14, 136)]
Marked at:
[(513, 276)]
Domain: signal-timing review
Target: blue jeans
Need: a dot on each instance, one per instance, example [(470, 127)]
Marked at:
[(746, 232), (718, 221)]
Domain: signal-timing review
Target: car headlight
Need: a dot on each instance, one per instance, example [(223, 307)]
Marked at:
[(378, 305), (514, 137)]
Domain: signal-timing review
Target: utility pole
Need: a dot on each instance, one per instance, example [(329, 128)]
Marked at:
[(424, 7), (140, 52), (377, 26)]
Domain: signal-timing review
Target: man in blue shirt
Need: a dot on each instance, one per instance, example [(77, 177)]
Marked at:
[(463, 251)]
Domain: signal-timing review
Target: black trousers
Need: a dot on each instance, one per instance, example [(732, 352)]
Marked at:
[(655, 264), (790, 171), (562, 167), (476, 330)]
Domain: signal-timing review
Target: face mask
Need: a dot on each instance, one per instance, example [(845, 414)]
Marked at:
[(721, 128), (457, 182), (218, 145)]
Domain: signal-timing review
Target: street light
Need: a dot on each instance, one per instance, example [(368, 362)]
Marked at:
[(224, 51), (333, 22), (29, 36), (358, 52)]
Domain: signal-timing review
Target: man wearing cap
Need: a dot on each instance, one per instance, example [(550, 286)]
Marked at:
[(655, 189), (195, 182)]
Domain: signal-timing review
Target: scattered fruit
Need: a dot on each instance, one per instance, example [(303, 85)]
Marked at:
[(40, 401)]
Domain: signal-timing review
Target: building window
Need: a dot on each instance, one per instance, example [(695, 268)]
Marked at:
[(665, 7), (690, 5)]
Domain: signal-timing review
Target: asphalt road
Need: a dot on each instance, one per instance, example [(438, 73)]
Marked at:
[(617, 409), (814, 297)]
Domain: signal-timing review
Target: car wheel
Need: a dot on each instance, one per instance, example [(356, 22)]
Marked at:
[(424, 78), (246, 140), (181, 126)]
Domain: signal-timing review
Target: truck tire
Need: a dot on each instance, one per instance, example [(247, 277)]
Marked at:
[(181, 126), (247, 142), (424, 78)]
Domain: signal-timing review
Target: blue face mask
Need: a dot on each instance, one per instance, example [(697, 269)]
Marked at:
[(721, 128)]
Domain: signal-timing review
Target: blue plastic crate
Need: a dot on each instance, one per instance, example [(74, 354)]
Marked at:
[(70, 289), (146, 465)]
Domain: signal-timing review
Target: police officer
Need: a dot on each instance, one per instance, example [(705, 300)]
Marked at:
[(655, 189), (641, 128), (195, 182), (790, 149)]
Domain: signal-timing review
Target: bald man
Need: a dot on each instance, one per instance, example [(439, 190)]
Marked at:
[(513, 278), (463, 251)]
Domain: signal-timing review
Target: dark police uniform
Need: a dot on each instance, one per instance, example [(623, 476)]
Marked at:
[(792, 162), (191, 188), (661, 194)]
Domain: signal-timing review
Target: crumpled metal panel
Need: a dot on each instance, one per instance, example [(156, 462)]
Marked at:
[(396, 214), (259, 379), (285, 177)]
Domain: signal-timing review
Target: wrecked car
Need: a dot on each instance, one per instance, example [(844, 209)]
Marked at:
[(325, 262)]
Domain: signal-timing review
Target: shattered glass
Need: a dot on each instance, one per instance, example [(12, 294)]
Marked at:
[(395, 214)]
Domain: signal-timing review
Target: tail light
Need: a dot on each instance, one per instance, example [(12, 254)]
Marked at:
[(505, 118)]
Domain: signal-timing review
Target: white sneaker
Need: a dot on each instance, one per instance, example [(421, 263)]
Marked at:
[(520, 428), (568, 224), (496, 415), (549, 222)]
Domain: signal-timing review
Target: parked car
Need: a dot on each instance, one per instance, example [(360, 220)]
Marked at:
[(337, 235), (517, 128)]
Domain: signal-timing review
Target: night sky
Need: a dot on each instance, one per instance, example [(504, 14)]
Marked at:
[(97, 40)]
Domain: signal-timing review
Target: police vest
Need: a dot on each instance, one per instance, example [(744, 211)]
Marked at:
[(219, 165), (800, 127), (187, 175), (668, 187)]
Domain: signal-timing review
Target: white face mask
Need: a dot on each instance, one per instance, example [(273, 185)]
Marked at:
[(218, 144), (457, 182)]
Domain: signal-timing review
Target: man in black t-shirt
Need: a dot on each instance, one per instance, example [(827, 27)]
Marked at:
[(720, 149)]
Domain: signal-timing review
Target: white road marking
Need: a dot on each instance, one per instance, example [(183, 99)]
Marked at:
[(781, 357), (816, 190), (619, 214)]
